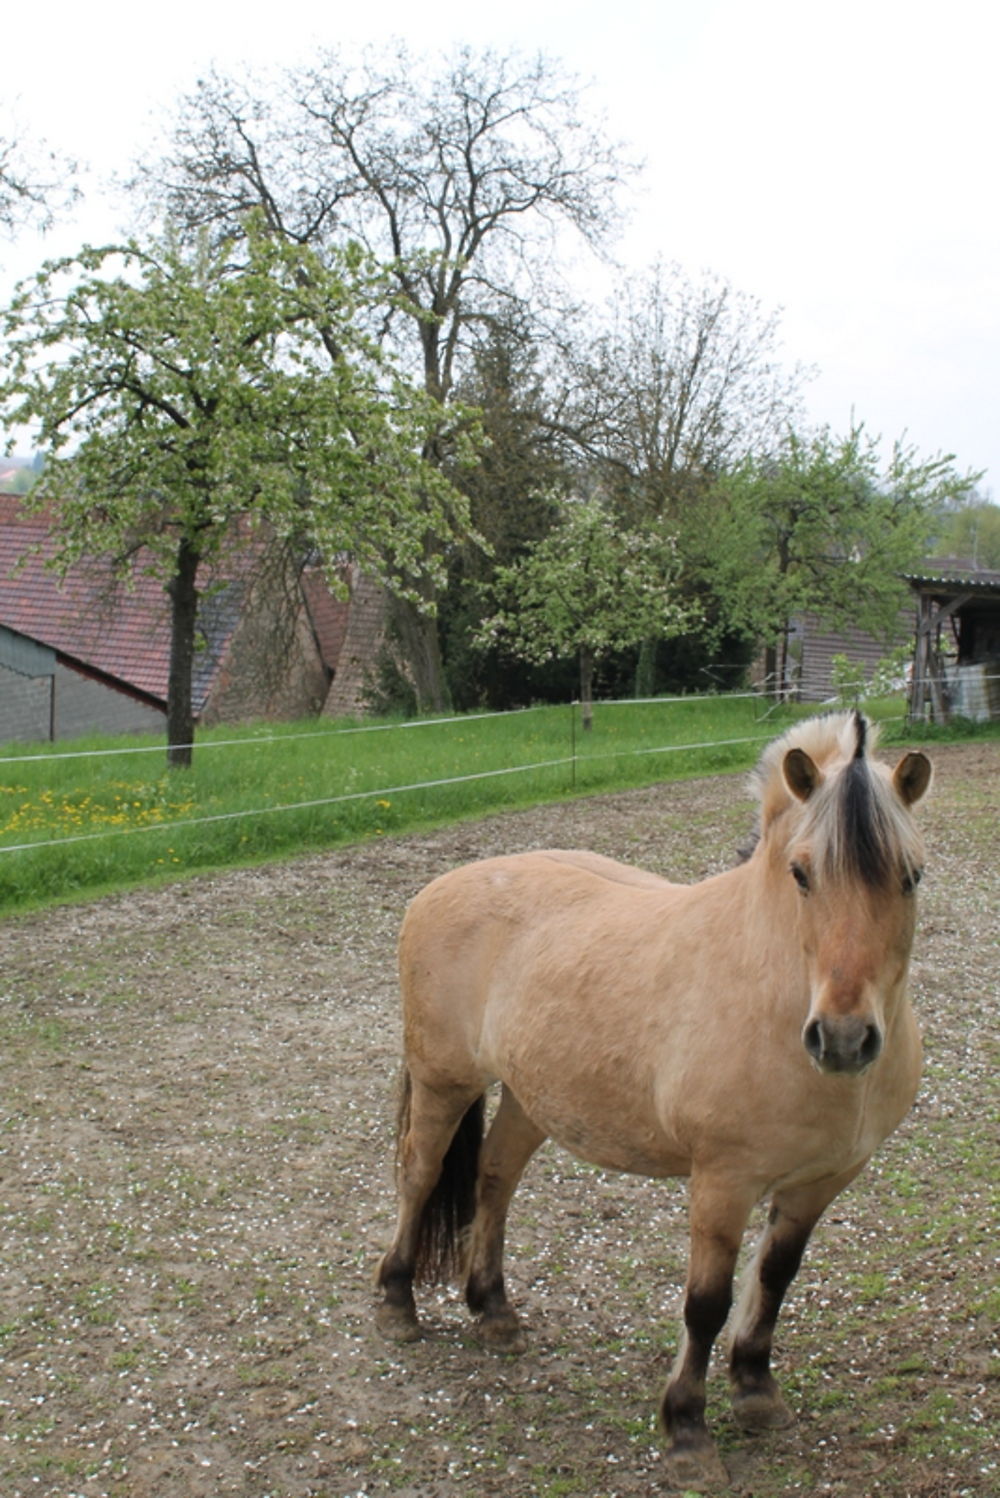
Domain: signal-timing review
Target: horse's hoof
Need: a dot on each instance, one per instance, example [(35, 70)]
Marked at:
[(759, 1411), (502, 1334), (696, 1469), (397, 1323)]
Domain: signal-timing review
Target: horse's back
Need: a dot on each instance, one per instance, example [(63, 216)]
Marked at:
[(494, 902), (608, 869), (554, 871)]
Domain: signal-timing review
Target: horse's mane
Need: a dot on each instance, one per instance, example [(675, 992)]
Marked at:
[(856, 825)]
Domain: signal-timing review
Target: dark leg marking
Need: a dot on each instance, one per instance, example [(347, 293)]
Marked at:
[(757, 1401)]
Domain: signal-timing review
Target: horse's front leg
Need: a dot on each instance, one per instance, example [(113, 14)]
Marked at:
[(757, 1401), (719, 1213)]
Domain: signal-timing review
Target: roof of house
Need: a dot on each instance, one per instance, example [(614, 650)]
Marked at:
[(121, 631)]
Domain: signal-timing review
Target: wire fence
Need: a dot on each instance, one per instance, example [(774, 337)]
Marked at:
[(581, 750)]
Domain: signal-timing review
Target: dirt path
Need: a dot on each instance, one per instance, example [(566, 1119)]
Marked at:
[(195, 1134)]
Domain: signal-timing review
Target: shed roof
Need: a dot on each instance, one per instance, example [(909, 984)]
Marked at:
[(951, 572)]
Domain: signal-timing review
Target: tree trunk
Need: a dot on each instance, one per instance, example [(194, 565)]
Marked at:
[(420, 643), (183, 594), (586, 688), (645, 668)]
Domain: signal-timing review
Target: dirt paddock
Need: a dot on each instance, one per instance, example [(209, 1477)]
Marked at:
[(196, 1114)]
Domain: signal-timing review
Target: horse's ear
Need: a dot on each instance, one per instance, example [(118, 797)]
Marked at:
[(911, 777), (801, 775)]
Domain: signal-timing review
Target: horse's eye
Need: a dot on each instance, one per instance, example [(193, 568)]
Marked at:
[(911, 880), (801, 877)]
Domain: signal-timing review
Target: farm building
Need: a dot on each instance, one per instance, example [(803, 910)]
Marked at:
[(953, 627), (814, 644), (956, 663), (84, 654)]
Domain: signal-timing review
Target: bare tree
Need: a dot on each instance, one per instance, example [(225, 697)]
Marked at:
[(684, 383), (457, 177), (35, 184)]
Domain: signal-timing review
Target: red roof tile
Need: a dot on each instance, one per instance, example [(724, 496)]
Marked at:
[(122, 632)]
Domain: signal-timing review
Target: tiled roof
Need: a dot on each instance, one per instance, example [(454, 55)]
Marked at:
[(122, 632)]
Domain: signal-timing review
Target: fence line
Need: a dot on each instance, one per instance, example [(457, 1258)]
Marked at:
[(254, 740), (573, 760), (375, 793), (261, 811)]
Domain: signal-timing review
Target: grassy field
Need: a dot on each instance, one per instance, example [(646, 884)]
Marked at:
[(100, 814), (97, 815)]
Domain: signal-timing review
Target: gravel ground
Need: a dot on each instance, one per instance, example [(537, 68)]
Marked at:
[(196, 1113)]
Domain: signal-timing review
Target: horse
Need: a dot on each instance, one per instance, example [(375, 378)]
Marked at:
[(752, 1032)]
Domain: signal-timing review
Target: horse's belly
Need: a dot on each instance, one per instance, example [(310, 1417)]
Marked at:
[(643, 1157), (598, 1121)]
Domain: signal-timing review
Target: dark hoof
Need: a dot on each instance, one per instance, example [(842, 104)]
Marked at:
[(758, 1411), (696, 1469), (502, 1333), (397, 1323)]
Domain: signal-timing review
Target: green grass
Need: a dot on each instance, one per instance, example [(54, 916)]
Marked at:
[(101, 814)]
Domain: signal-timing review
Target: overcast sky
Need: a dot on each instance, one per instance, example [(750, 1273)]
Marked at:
[(836, 160)]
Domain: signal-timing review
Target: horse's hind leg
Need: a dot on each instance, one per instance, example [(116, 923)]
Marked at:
[(438, 1142), (757, 1401), (511, 1141)]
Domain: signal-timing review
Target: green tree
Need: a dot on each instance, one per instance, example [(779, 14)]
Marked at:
[(455, 174), (587, 589), (178, 396), (514, 493), (970, 531), (825, 525)]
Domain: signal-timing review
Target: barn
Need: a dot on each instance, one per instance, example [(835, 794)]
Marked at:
[(81, 654)]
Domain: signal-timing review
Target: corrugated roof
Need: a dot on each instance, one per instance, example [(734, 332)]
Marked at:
[(122, 631), (951, 571)]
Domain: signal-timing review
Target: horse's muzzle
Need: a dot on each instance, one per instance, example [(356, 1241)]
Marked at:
[(844, 1044)]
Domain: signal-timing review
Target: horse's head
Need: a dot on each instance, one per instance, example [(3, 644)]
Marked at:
[(839, 833)]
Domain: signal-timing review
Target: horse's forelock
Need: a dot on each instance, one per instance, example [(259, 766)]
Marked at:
[(862, 845), (858, 829), (827, 739), (861, 734)]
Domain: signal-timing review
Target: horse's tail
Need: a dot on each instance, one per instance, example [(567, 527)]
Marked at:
[(449, 1209)]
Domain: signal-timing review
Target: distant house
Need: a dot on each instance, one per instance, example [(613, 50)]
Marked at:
[(83, 654)]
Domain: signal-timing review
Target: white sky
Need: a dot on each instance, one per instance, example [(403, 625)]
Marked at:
[(838, 160)]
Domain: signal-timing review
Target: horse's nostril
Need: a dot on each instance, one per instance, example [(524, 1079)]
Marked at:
[(812, 1039), (871, 1045)]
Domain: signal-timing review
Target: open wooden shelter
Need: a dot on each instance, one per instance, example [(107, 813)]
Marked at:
[(956, 661)]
